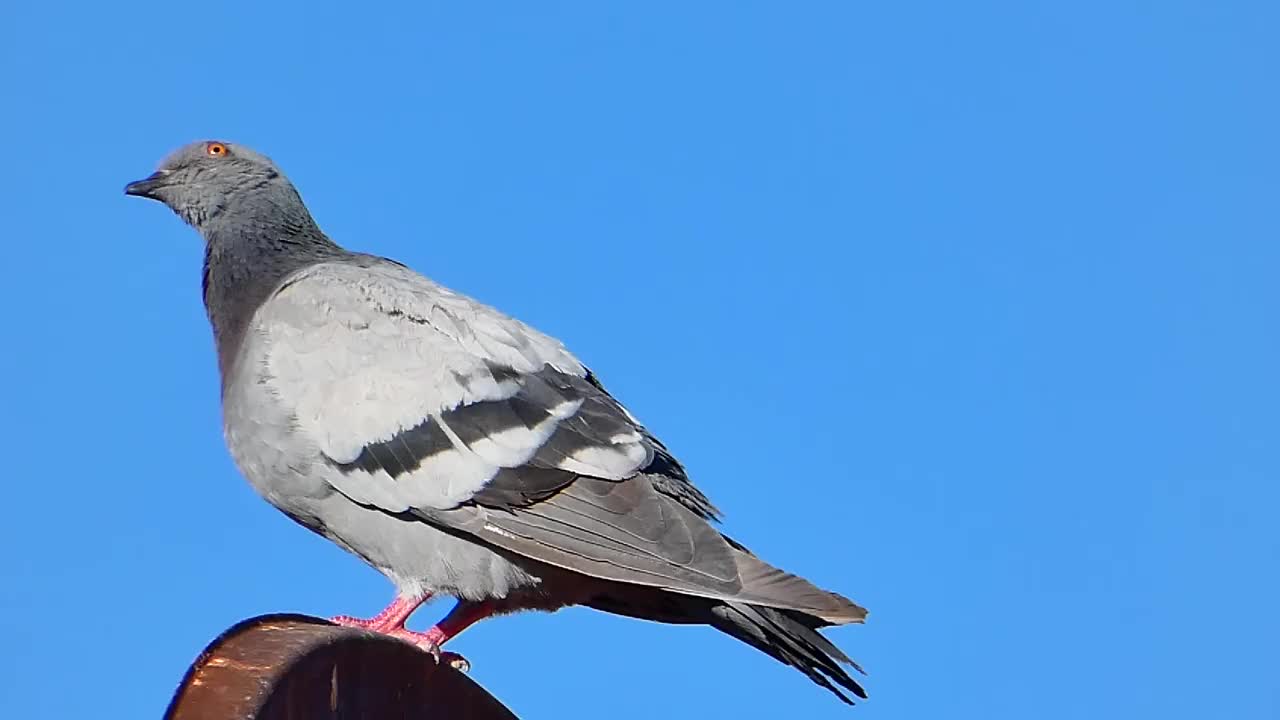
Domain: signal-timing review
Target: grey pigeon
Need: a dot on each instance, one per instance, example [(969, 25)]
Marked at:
[(453, 448)]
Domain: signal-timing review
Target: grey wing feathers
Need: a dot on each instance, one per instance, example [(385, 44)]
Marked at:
[(424, 401), (423, 398), (626, 532), (630, 533)]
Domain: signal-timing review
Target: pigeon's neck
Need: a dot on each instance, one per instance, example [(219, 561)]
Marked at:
[(244, 262)]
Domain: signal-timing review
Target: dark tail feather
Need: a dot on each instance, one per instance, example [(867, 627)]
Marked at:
[(789, 637)]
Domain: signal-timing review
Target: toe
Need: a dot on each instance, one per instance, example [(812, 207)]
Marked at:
[(348, 621)]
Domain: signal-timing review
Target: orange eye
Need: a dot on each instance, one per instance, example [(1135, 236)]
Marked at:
[(215, 149)]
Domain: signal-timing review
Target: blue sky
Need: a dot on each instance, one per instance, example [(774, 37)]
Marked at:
[(967, 310)]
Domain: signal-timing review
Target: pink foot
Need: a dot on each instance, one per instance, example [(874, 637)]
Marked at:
[(391, 622), (391, 618)]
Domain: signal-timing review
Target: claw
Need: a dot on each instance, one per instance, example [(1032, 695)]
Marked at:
[(429, 648), (456, 661), (428, 643)]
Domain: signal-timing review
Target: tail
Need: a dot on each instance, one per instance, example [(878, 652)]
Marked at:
[(774, 611), (790, 637), (784, 618)]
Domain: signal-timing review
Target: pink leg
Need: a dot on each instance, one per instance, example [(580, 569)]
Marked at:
[(462, 616)]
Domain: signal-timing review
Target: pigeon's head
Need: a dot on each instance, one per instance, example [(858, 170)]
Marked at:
[(208, 181)]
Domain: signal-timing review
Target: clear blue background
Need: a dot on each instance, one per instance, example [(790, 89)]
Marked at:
[(967, 310)]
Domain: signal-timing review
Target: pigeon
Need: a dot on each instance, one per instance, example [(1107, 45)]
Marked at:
[(453, 448)]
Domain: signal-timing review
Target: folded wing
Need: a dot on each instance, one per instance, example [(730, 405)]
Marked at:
[(426, 402)]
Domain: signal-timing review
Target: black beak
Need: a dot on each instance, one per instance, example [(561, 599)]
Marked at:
[(147, 186)]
